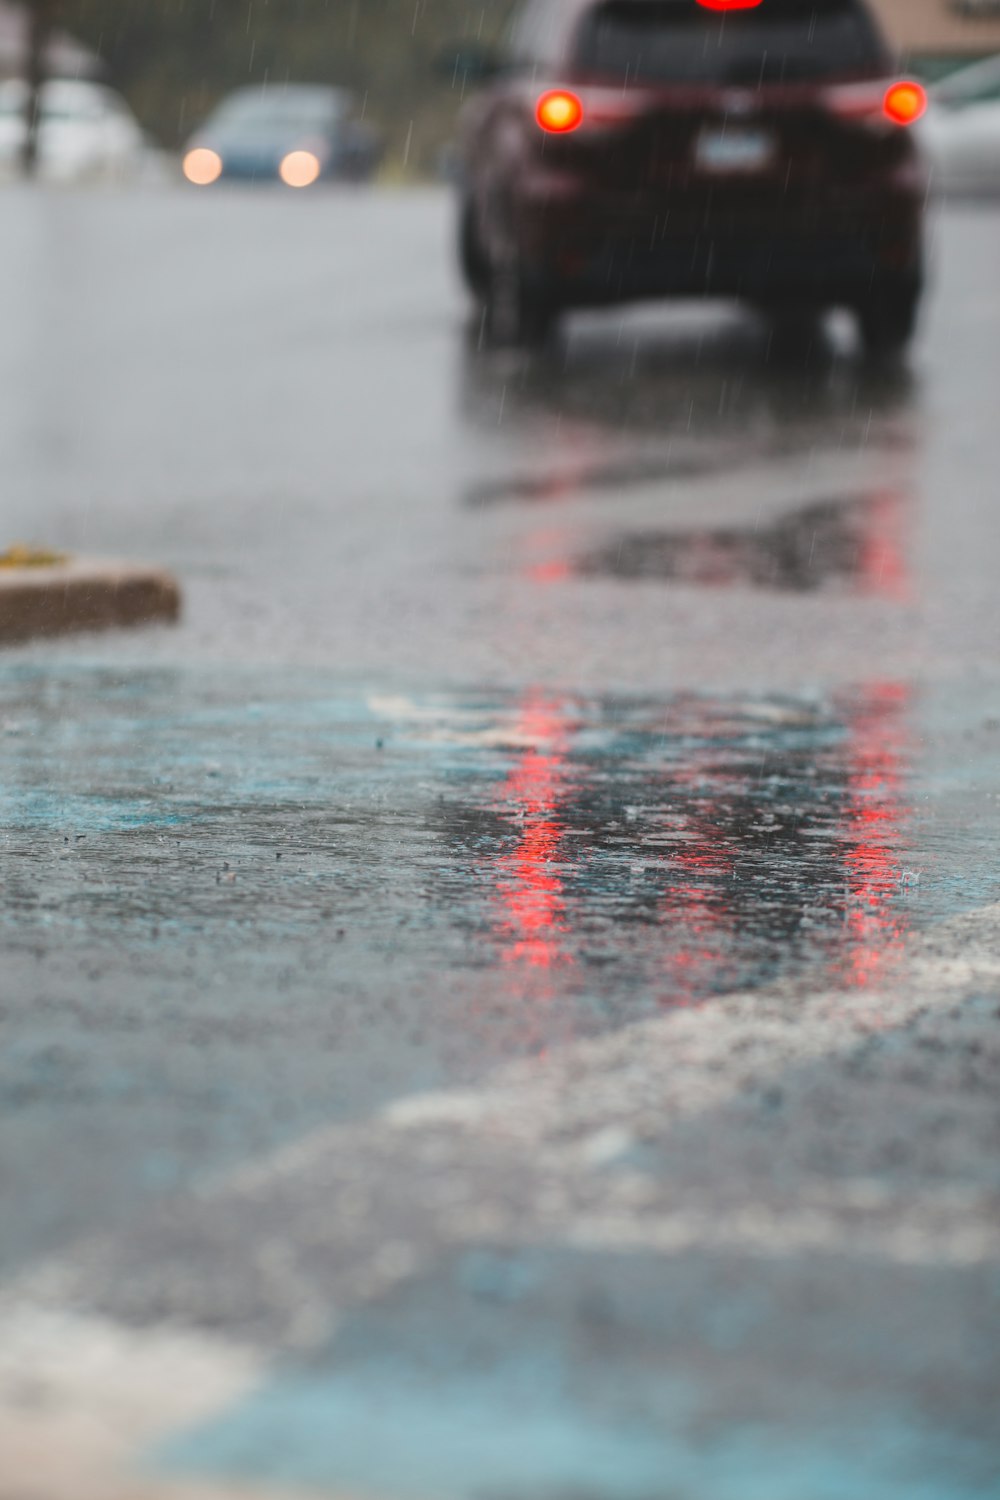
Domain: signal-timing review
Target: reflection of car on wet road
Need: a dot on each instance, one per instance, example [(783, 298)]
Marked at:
[(86, 132), (299, 134), (962, 129), (639, 148)]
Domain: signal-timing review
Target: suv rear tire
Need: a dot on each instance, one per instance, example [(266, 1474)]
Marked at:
[(471, 256), (519, 314), (516, 311), (888, 318)]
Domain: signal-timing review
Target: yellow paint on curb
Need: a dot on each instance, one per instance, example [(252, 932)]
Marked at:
[(20, 555)]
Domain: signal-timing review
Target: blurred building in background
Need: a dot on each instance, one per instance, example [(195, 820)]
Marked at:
[(942, 28)]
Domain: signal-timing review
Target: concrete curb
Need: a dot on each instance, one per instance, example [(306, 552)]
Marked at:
[(83, 594)]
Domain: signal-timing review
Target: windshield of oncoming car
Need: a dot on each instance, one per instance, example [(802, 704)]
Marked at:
[(679, 41), (291, 111)]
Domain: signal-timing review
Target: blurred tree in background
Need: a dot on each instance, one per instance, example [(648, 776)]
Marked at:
[(173, 58), (42, 17)]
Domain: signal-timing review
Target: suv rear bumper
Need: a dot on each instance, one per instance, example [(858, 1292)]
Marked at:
[(770, 267), (594, 252)]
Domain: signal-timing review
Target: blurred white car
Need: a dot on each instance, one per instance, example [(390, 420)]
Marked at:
[(87, 133), (961, 130)]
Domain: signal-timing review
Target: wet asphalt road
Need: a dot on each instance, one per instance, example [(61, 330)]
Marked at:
[(517, 704)]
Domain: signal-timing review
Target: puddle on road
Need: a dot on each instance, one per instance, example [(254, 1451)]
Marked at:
[(857, 544), (690, 847), (237, 906), (626, 854)]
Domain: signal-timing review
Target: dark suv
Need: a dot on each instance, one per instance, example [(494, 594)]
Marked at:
[(737, 148)]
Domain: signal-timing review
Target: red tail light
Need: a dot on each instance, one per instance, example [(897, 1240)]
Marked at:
[(904, 103), (873, 104), (730, 4), (559, 112)]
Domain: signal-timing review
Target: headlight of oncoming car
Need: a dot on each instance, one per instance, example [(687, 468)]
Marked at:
[(202, 166), (300, 169)]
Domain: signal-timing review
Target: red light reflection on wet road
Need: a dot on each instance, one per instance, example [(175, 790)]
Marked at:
[(528, 881), (698, 909), (694, 906), (882, 563), (873, 819), (731, 877)]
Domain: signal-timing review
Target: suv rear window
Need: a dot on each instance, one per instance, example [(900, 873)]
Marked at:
[(681, 41)]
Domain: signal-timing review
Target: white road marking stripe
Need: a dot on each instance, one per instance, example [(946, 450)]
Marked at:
[(682, 1063), (79, 1396)]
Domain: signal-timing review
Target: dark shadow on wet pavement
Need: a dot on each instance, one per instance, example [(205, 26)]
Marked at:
[(853, 543), (619, 403)]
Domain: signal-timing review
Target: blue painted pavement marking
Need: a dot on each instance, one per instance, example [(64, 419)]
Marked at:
[(545, 1376)]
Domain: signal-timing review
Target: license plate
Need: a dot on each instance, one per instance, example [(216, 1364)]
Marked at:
[(735, 150)]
